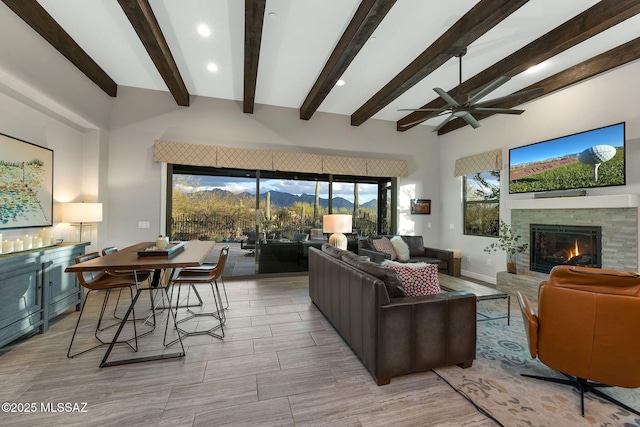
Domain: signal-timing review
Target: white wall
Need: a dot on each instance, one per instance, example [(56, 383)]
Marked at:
[(36, 74), (605, 100), (23, 122), (139, 117)]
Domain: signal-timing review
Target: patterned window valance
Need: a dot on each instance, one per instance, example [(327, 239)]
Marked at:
[(483, 162), (288, 161)]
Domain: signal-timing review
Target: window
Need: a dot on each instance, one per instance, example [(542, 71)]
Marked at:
[(481, 193), (228, 204)]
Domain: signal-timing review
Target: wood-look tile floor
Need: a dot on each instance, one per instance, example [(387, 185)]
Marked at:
[(280, 364)]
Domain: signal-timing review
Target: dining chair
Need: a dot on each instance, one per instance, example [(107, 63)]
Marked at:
[(207, 275), (113, 249), (206, 268), (104, 281)]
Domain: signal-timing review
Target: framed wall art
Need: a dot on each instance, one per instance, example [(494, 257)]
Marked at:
[(26, 184), (420, 206)]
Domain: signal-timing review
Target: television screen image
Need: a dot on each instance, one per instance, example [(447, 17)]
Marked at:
[(594, 158)]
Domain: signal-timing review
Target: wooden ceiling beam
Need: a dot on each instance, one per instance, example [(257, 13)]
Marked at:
[(598, 18), (369, 15), (253, 20), (144, 22), (481, 18), (39, 19), (590, 68)]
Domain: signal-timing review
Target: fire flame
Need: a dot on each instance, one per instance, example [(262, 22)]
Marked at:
[(575, 251)]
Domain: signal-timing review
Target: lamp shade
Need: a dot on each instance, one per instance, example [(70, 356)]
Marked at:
[(82, 212), (336, 223)]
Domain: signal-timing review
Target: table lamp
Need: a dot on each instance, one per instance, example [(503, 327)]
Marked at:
[(337, 224), (81, 213)]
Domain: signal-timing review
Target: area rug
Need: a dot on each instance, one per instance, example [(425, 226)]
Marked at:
[(494, 384)]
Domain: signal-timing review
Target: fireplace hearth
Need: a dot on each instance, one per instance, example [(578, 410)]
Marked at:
[(553, 245)]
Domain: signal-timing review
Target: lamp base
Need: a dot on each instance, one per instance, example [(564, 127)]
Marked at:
[(338, 240)]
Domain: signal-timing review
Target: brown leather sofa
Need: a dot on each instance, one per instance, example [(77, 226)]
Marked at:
[(392, 336), (587, 327), (417, 252)]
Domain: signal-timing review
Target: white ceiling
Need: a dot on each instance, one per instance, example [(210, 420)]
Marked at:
[(298, 37)]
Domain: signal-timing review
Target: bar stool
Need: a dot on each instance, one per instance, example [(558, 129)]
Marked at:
[(101, 280), (209, 276)]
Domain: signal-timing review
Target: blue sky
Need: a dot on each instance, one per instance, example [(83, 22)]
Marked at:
[(572, 144), (366, 192)]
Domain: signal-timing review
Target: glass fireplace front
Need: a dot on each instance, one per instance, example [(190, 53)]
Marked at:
[(553, 245)]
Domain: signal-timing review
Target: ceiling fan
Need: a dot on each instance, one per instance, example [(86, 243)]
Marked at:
[(456, 108)]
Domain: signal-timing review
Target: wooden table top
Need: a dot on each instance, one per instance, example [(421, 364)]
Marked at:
[(480, 291), (194, 254)]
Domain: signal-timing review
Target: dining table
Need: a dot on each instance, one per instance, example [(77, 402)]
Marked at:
[(142, 257)]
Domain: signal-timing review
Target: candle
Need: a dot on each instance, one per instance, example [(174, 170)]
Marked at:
[(37, 242), (27, 241), (52, 240), (7, 246), (18, 245), (45, 233)]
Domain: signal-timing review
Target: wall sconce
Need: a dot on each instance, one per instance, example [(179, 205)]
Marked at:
[(81, 213), (337, 224)]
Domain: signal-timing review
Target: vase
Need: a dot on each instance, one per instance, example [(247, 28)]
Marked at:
[(512, 265)]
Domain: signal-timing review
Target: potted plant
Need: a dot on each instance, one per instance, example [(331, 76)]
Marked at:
[(508, 242)]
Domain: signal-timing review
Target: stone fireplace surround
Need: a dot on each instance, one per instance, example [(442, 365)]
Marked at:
[(617, 215)]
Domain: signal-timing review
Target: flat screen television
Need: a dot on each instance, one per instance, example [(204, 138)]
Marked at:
[(594, 158)]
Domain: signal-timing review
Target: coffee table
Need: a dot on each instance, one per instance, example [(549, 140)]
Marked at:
[(482, 293)]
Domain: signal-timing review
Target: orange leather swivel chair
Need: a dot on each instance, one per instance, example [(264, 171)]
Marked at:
[(587, 328)]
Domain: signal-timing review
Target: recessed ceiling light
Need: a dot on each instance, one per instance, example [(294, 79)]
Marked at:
[(272, 15), (204, 30), (212, 67), (340, 82), (372, 39)]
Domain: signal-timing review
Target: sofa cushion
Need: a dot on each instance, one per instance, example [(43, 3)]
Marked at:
[(388, 276), (332, 250), (417, 279), (442, 265), (401, 247), (353, 259), (416, 245), (384, 245)]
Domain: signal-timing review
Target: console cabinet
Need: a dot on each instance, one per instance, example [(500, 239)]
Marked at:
[(34, 289)]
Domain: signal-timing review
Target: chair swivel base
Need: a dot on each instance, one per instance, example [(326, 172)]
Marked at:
[(584, 386)]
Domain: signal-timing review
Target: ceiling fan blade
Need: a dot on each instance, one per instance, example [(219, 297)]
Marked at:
[(488, 89), (448, 98), (512, 96), (497, 110), (432, 110), (444, 122), (415, 122), (471, 120)]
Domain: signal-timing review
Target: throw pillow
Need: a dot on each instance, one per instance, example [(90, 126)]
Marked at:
[(384, 245), (418, 279), (401, 247)]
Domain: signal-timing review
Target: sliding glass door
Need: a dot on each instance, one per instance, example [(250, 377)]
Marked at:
[(270, 219)]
